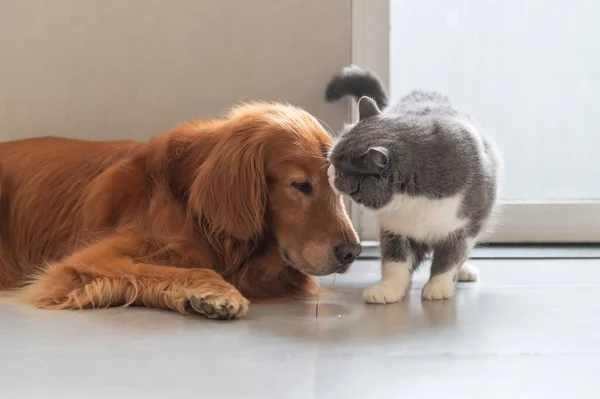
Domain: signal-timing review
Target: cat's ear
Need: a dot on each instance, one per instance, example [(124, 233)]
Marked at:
[(380, 156), (367, 108)]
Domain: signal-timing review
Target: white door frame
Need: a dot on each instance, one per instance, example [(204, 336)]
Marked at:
[(529, 222), (521, 223), (518, 222)]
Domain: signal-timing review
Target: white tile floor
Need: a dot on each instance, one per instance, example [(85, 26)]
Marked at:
[(530, 329)]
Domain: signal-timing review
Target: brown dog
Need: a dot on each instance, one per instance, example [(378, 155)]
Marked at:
[(195, 221)]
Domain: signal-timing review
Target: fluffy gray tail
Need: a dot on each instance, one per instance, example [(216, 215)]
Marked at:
[(356, 82)]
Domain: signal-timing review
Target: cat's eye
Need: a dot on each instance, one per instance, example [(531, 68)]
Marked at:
[(339, 174), (304, 187)]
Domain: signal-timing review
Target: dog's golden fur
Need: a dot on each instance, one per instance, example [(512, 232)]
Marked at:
[(196, 220)]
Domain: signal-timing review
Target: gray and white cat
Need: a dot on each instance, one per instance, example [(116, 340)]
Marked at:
[(430, 173)]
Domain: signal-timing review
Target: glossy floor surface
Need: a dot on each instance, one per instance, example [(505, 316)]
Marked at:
[(529, 329)]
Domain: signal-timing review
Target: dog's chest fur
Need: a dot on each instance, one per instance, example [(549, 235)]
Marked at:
[(423, 219)]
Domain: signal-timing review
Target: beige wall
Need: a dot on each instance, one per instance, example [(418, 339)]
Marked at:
[(106, 69)]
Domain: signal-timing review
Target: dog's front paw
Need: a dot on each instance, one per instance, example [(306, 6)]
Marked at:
[(438, 288), (384, 293), (219, 306)]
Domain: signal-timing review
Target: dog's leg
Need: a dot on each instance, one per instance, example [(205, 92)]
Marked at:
[(102, 276), (265, 276)]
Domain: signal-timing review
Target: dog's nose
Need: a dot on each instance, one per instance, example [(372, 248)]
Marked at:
[(347, 253)]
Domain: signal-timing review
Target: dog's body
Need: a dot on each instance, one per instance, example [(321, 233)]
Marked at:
[(197, 220)]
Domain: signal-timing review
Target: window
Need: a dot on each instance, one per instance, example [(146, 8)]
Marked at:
[(532, 86)]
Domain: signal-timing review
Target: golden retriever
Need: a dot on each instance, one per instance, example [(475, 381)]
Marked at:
[(197, 221)]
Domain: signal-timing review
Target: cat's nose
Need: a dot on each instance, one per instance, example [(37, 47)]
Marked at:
[(331, 171), (347, 253)]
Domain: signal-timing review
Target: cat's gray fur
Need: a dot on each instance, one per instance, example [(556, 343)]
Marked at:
[(419, 147)]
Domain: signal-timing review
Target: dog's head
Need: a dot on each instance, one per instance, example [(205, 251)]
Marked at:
[(266, 176)]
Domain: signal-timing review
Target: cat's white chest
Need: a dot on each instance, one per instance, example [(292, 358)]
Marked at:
[(422, 218)]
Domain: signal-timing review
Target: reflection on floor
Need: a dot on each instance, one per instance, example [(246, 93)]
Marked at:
[(529, 329)]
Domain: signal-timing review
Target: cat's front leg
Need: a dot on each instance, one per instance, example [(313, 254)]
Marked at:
[(400, 256), (448, 257)]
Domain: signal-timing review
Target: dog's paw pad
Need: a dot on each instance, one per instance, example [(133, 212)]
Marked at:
[(223, 307)]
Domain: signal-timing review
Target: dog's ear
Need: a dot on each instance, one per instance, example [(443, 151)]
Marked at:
[(229, 191)]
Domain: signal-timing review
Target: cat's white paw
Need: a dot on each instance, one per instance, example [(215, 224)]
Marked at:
[(438, 288), (468, 273), (384, 293)]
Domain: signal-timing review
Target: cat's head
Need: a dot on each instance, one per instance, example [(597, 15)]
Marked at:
[(361, 160)]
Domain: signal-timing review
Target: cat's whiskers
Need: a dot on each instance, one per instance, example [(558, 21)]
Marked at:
[(322, 122)]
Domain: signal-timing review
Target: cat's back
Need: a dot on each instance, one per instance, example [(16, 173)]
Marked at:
[(432, 115), (423, 103), (422, 96), (466, 161)]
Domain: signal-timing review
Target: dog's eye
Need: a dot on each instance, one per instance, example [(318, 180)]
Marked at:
[(303, 187)]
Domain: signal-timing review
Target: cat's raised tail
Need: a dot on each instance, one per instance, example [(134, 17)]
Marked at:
[(356, 82)]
